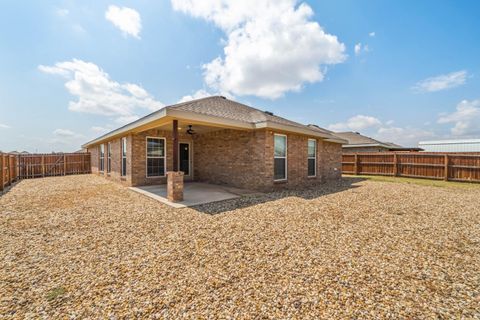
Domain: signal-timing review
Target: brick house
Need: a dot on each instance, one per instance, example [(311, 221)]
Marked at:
[(219, 141)]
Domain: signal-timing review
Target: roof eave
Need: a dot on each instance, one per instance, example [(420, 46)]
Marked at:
[(157, 115), (364, 145), (199, 118)]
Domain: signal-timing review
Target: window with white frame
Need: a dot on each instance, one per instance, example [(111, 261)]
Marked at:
[(109, 157), (102, 157), (124, 157), (155, 157), (312, 157), (280, 157)]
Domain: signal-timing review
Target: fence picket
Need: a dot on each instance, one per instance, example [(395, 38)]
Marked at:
[(446, 166)]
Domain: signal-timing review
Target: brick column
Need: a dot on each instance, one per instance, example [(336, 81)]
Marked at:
[(175, 186)]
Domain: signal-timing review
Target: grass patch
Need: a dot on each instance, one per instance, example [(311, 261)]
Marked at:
[(55, 293), (418, 181)]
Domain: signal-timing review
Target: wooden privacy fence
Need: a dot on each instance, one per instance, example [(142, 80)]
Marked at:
[(26, 166), (8, 170), (446, 166)]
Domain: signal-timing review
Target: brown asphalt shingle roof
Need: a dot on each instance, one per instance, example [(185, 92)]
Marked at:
[(222, 107), (356, 138)]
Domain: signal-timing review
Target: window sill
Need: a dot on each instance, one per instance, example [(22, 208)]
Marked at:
[(311, 177), (283, 181), (155, 177)]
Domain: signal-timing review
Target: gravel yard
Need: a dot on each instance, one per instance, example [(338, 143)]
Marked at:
[(83, 247)]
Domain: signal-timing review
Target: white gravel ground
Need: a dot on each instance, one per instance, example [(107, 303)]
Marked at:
[(83, 247)]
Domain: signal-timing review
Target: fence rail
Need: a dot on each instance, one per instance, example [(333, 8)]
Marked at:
[(442, 166), (27, 166)]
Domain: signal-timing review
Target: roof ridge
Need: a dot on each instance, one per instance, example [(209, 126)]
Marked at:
[(179, 104)]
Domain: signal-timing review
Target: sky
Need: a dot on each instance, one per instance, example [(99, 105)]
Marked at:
[(399, 71)]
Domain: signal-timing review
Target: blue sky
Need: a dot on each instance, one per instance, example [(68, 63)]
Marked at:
[(401, 71)]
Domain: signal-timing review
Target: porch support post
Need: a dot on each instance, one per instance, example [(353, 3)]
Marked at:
[(174, 177), (175, 145)]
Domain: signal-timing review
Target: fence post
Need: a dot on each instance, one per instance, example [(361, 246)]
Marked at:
[(395, 165), (9, 179), (2, 173), (446, 168), (64, 164), (43, 165), (356, 164)]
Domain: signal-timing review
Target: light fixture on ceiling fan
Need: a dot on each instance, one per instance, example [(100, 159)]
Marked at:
[(190, 130)]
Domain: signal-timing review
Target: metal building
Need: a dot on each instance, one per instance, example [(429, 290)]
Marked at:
[(458, 145)]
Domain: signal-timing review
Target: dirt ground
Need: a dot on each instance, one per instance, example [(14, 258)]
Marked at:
[(83, 247)]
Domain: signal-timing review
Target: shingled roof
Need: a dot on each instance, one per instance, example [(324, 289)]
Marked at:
[(218, 109), (222, 107), (356, 139)]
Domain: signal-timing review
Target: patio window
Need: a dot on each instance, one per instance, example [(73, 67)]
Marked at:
[(312, 157), (109, 157), (280, 157), (102, 157), (124, 157), (155, 157)]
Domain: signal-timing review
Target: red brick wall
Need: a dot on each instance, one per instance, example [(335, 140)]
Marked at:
[(329, 158), (238, 158), (232, 157), (139, 167), (115, 173), (245, 159)]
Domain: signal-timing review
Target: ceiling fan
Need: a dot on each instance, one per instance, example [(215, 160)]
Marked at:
[(190, 130)]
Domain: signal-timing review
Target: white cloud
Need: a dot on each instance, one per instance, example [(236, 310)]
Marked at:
[(126, 119), (272, 47), (359, 48), (383, 131), (358, 122), (66, 133), (100, 130), (61, 12), (4, 126), (405, 136), (126, 19), (96, 93), (466, 119), (197, 95), (442, 82), (372, 34)]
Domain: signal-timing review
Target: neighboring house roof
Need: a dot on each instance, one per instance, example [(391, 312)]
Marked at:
[(317, 128), (356, 140), (222, 111)]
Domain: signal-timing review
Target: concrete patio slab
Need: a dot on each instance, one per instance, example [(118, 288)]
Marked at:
[(194, 193)]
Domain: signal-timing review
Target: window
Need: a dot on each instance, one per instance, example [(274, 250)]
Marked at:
[(124, 157), (312, 157), (280, 157), (102, 156), (155, 157), (109, 157)]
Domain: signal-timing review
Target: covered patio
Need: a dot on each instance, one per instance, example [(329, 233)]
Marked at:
[(194, 193)]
